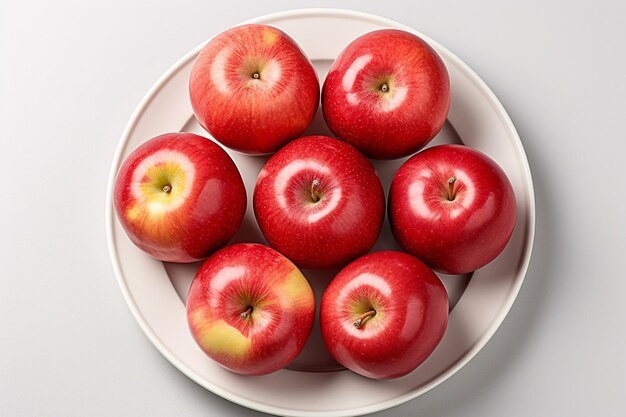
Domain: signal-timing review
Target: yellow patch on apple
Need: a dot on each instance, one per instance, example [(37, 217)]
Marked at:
[(270, 36), (223, 339), (165, 182), (133, 212), (296, 285), (160, 188)]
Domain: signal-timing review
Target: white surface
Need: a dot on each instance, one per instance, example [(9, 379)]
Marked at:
[(70, 76), (481, 123)]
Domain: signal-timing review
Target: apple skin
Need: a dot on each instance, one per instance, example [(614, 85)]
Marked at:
[(345, 221), (411, 314), (454, 236), (248, 114), (398, 121), (200, 213), (282, 312)]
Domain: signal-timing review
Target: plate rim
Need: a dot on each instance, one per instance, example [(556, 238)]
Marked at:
[(402, 398)]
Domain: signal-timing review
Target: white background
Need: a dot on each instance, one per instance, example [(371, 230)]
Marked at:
[(71, 74)]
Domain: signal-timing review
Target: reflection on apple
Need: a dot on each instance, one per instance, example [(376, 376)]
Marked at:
[(253, 89), (453, 207), (384, 314), (387, 93), (170, 194), (319, 202), (250, 309)]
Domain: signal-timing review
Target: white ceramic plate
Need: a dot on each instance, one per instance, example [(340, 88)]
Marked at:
[(314, 385)]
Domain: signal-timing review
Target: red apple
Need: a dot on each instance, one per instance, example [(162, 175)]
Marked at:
[(384, 314), (319, 202), (250, 309), (179, 197), (253, 89), (453, 207), (387, 93)]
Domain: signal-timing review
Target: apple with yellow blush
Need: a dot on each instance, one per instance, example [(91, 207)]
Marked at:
[(179, 197), (250, 309), (253, 89)]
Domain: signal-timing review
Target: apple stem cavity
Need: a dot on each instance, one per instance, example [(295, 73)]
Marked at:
[(315, 185), (167, 189), (256, 75), (384, 88), (246, 313), (363, 317), (451, 192)]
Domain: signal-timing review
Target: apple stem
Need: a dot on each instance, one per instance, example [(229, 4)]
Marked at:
[(256, 75), (451, 193), (359, 321), (384, 88), (246, 313), (314, 189), (167, 189)]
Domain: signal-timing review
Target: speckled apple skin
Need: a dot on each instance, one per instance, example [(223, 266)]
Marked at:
[(279, 324), (400, 121), (342, 225), (411, 317), (253, 115), (200, 220), (458, 236)]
